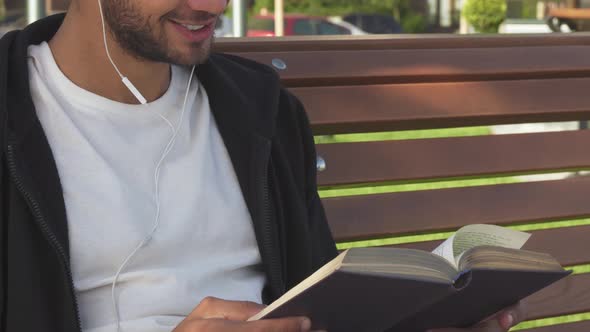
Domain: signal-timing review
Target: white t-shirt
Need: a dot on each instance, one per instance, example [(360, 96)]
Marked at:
[(106, 154)]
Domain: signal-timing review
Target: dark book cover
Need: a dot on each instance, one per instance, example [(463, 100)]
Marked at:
[(484, 293), (368, 302), (350, 301)]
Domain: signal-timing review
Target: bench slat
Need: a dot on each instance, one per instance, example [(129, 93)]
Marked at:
[(583, 326), (568, 245), (374, 216), (371, 108), (396, 42), (568, 296), (432, 65), (373, 162)]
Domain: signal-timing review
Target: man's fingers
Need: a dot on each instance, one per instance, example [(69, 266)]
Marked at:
[(514, 315), (502, 322), (292, 324), (212, 308), (214, 314)]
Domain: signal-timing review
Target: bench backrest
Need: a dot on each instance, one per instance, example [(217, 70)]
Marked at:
[(383, 84)]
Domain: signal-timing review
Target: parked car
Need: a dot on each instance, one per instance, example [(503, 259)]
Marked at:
[(374, 23), (354, 30), (295, 25), (524, 26)]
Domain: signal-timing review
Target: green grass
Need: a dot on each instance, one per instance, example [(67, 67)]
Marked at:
[(552, 321), (580, 269), (401, 135)]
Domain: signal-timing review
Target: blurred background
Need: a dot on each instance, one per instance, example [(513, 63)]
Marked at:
[(262, 18)]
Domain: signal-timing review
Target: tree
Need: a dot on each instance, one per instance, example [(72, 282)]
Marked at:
[(400, 9), (485, 15), (339, 7)]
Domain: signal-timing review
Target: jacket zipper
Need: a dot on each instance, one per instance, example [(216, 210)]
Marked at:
[(50, 236), (268, 233)]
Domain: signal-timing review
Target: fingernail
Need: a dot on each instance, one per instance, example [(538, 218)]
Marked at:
[(305, 325), (509, 320)]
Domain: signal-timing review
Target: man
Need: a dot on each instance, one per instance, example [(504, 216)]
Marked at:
[(132, 193)]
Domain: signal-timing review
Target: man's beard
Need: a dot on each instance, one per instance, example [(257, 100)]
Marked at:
[(137, 36)]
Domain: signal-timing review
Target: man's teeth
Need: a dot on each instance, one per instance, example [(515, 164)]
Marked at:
[(193, 27)]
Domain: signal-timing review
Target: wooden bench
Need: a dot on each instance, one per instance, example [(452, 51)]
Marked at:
[(390, 84)]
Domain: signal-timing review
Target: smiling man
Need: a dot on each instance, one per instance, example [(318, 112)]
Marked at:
[(148, 185)]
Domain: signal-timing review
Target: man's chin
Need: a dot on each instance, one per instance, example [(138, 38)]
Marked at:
[(197, 55)]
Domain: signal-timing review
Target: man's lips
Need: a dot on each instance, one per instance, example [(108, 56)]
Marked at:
[(195, 32)]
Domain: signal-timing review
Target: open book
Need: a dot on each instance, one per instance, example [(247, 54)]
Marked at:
[(475, 273)]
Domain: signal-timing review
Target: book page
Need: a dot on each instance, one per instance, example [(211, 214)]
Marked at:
[(487, 235), (445, 250), (479, 235)]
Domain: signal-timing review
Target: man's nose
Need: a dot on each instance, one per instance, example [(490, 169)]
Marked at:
[(211, 6)]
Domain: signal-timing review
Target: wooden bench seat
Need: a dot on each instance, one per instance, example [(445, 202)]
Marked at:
[(389, 83)]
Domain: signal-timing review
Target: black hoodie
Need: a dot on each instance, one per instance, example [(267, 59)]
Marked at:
[(266, 133)]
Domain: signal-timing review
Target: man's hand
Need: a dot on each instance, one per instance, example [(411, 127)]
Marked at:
[(501, 322), (217, 315)]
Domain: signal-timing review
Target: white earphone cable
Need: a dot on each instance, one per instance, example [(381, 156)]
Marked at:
[(104, 36), (167, 149), (146, 240)]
